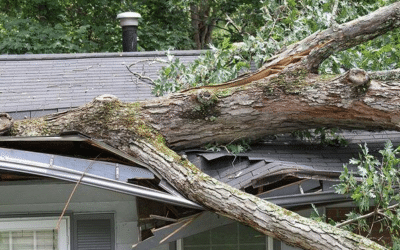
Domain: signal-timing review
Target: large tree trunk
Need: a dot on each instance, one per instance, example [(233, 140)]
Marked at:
[(284, 95)]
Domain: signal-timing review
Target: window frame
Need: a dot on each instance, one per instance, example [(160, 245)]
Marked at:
[(40, 223)]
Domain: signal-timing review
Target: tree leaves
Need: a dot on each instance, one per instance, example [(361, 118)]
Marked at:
[(284, 23), (375, 185)]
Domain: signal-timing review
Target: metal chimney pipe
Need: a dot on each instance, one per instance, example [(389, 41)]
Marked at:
[(129, 23)]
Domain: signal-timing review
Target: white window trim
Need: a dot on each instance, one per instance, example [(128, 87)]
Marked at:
[(179, 244), (40, 223), (270, 242)]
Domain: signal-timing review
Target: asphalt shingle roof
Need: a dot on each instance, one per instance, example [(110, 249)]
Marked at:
[(35, 85)]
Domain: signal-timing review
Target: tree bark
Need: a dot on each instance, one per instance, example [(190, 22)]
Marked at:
[(203, 23), (284, 95)]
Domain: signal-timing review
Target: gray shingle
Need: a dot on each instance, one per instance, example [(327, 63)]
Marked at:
[(43, 112), (37, 82), (20, 115), (239, 181)]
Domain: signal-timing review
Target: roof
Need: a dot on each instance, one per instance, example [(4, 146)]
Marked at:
[(36, 85)]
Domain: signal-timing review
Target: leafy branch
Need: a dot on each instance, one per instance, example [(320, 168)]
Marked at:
[(374, 185), (234, 147), (324, 136)]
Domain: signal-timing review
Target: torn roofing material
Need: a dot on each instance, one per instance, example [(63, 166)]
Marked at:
[(241, 172), (289, 168)]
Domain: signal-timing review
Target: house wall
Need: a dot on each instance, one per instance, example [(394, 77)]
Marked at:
[(24, 198), (163, 247)]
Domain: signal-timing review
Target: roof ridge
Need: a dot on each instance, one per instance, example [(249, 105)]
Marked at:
[(27, 57)]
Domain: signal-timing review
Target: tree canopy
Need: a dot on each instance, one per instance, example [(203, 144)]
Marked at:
[(73, 26), (284, 23)]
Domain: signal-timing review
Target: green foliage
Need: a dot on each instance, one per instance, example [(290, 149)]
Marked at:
[(235, 147), (238, 148), (396, 244), (323, 136), (382, 53), (245, 18), (224, 61), (299, 19), (278, 24), (315, 215), (375, 186), (47, 26), (20, 36), (163, 26), (213, 67)]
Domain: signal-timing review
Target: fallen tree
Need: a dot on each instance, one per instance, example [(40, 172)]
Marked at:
[(285, 94)]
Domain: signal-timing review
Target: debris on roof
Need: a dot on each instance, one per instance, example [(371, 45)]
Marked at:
[(287, 171)]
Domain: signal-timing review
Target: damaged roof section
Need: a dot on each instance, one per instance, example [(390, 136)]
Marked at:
[(290, 172)]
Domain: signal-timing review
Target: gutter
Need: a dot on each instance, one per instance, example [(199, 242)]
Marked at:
[(64, 173)]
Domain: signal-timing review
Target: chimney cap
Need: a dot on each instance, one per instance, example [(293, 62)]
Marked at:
[(129, 18)]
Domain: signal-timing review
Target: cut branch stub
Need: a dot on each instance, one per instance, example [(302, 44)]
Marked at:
[(6, 122), (106, 98), (358, 77)]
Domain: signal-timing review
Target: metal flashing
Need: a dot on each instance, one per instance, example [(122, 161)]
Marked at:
[(104, 169), (74, 136), (307, 199)]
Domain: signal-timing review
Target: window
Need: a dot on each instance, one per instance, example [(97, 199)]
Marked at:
[(233, 236), (34, 233)]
